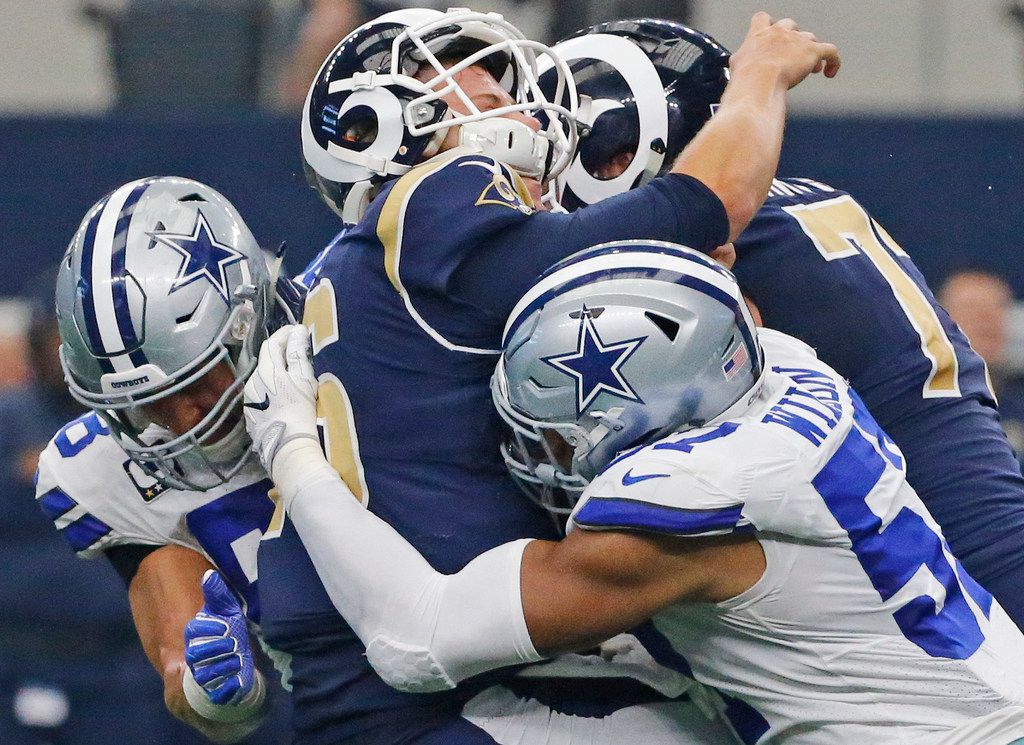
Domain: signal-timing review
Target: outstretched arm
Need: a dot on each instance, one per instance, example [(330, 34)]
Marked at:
[(426, 631), (737, 152)]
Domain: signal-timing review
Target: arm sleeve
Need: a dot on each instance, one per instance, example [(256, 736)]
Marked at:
[(461, 239), (423, 631), (675, 207)]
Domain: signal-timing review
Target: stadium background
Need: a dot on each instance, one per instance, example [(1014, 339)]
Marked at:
[(924, 125)]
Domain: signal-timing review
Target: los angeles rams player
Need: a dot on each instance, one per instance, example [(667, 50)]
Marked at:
[(419, 127), (819, 268), (163, 299), (735, 488)]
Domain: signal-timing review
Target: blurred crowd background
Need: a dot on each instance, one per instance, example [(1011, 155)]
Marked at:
[(924, 125)]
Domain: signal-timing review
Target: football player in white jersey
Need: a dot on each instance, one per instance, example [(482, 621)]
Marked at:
[(732, 488), (163, 299)]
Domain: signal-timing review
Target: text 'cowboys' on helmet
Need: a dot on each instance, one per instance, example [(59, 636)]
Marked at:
[(376, 107), (615, 347), (646, 87), (162, 283)]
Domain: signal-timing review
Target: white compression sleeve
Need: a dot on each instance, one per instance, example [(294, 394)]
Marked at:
[(424, 631)]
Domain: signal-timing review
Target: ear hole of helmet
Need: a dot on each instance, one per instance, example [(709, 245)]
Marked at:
[(358, 127)]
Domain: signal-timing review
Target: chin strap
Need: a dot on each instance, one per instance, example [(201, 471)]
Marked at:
[(356, 202), (507, 141)]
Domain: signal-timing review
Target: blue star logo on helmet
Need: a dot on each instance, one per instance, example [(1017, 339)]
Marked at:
[(596, 366), (204, 256)]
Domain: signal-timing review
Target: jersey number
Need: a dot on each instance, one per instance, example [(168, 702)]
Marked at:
[(333, 407), (229, 529), (840, 228), (906, 561)]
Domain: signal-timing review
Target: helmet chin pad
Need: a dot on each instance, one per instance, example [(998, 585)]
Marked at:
[(508, 141)]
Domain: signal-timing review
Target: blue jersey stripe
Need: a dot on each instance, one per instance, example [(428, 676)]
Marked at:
[(55, 503), (84, 532), (85, 290), (617, 512), (119, 288)]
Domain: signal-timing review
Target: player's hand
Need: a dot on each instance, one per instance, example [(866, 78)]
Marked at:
[(783, 46), (217, 647), (280, 396)]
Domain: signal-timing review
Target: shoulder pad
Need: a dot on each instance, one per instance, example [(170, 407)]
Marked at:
[(84, 484), (430, 220), (684, 485)]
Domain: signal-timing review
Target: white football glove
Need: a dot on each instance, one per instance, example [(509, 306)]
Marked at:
[(280, 397)]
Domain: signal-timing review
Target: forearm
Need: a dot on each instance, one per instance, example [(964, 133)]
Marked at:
[(736, 154), (164, 594), (424, 631), (218, 732)]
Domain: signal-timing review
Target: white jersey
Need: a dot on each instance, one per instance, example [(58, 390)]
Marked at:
[(863, 628), (98, 498)]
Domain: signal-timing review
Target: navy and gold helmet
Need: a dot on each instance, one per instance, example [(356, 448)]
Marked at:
[(649, 86), (368, 117)]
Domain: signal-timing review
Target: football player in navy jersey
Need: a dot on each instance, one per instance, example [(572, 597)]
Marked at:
[(420, 130), (817, 266)]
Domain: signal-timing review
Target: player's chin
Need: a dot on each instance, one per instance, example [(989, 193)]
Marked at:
[(536, 192)]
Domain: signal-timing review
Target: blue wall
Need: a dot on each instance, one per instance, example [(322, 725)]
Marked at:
[(951, 191)]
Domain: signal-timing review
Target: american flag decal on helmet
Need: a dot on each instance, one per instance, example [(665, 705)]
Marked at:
[(736, 361)]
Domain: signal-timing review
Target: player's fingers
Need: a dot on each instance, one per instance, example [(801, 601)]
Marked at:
[(809, 35), (218, 597), (265, 369), (207, 675), (208, 652), (206, 626), (226, 692), (298, 353), (829, 53), (788, 23), (760, 20)]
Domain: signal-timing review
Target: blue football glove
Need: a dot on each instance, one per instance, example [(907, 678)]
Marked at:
[(217, 649)]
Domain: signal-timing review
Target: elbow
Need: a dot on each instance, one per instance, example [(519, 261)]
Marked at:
[(740, 208), (407, 667)]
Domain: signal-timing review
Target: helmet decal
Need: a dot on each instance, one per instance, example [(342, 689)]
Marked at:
[(203, 256), (596, 367)]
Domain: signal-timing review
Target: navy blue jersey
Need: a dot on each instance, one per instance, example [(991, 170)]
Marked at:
[(819, 268), (406, 315)]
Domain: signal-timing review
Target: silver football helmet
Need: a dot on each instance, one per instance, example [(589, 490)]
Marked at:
[(615, 347), (161, 283)]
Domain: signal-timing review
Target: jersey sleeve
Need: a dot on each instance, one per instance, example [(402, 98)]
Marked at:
[(85, 497), (675, 208), (462, 236), (683, 488)]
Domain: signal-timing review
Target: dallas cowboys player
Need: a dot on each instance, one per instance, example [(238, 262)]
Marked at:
[(735, 488), (163, 299), (418, 126), (820, 268)]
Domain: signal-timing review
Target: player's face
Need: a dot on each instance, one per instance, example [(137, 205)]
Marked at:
[(561, 449), (486, 94), (183, 410)]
